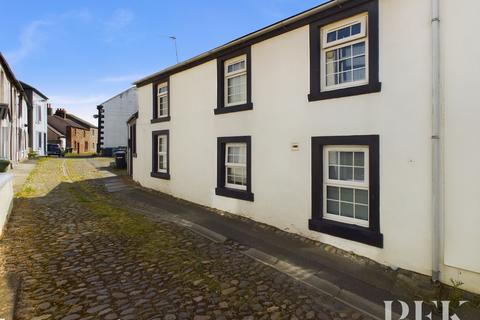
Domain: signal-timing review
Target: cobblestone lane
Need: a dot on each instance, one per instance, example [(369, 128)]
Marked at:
[(80, 258)]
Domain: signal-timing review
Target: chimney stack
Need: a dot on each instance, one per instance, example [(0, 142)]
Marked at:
[(61, 113), (49, 109)]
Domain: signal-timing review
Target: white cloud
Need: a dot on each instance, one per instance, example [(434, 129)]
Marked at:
[(30, 38), (34, 35), (121, 78)]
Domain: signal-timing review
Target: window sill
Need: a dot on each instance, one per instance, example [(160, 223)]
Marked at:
[(232, 193), (347, 231), (240, 107), (157, 120), (345, 92), (160, 175)]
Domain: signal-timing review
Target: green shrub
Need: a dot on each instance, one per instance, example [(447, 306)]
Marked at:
[(32, 155), (4, 165)]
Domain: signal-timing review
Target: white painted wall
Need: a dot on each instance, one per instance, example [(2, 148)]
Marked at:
[(462, 132), (117, 110), (39, 124), (6, 195), (281, 178)]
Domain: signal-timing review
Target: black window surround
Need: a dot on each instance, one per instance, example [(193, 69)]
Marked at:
[(133, 138), (155, 173), (221, 190), (369, 235), (337, 14), (155, 118), (221, 107)]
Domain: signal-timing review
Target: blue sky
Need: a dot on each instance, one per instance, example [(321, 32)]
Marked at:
[(80, 53)]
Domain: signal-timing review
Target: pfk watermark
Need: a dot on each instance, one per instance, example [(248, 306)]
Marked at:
[(418, 312)]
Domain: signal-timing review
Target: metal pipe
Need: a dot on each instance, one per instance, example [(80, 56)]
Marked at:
[(437, 172)]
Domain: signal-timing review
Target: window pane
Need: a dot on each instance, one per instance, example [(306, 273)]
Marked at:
[(236, 66), (359, 49), (332, 80), (333, 207), (237, 89), (333, 157), (331, 55), (346, 209), (331, 36), (332, 68), (333, 193), (359, 159), (359, 74), (345, 65), (356, 29), (346, 194), (333, 172), (346, 158), (359, 62), (346, 173), (161, 162), (361, 212), (361, 196), (237, 176), (345, 52), (359, 174), (345, 77), (343, 33)]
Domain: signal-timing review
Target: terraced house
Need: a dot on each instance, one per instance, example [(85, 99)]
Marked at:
[(334, 124), (14, 105)]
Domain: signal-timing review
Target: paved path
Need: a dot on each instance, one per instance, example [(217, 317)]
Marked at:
[(82, 258)]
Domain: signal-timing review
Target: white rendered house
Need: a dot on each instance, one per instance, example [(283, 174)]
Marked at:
[(14, 104), (333, 124), (37, 120), (112, 119)]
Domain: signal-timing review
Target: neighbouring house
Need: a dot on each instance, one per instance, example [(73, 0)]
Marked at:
[(333, 124), (56, 137), (14, 104), (93, 131), (37, 119), (79, 135), (112, 117)]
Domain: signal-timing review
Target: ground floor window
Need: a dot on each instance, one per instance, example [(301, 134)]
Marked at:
[(234, 167), (160, 154), (345, 188)]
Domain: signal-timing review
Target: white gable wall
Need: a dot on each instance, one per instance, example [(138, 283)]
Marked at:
[(116, 113)]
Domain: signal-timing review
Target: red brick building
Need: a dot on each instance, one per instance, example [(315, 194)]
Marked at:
[(80, 136)]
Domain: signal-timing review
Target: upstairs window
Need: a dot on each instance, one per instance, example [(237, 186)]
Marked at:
[(236, 81), (161, 101), (344, 53)]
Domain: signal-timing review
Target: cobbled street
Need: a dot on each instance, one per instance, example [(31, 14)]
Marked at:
[(80, 256)]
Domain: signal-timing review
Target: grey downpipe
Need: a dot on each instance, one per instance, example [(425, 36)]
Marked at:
[(437, 172)]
